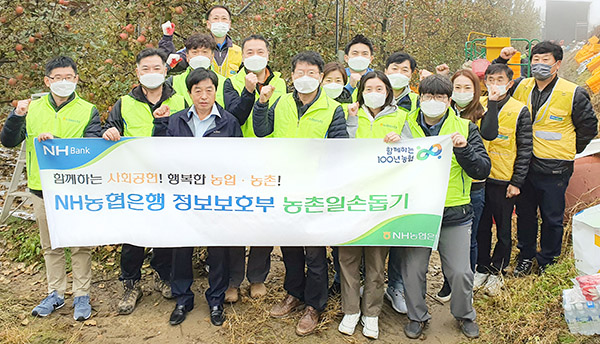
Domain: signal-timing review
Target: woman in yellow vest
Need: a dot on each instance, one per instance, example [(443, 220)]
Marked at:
[(469, 161), (510, 153), (564, 123), (374, 115), (334, 79)]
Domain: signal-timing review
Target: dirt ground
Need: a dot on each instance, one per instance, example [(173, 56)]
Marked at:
[(247, 320)]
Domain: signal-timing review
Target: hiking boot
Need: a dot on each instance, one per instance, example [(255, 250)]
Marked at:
[(445, 293), (396, 298), (257, 290), (286, 306), (48, 305), (82, 310), (162, 286), (132, 293), (308, 322), (523, 267), (231, 295), (414, 329), (494, 285), (469, 328)]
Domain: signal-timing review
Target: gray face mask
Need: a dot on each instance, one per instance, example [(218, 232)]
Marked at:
[(541, 71)]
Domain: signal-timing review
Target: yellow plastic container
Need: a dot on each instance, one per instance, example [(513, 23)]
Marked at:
[(494, 45)]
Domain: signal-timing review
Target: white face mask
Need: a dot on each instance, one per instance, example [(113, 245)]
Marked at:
[(333, 90), (433, 108), (398, 81), (199, 62), (255, 63), (359, 63), (374, 100), (63, 88), (501, 88), (306, 84), (152, 80), (219, 29), (462, 99)]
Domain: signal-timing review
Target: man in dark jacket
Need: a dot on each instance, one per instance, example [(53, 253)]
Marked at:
[(510, 153), (564, 123), (306, 113), (204, 118), (61, 113)]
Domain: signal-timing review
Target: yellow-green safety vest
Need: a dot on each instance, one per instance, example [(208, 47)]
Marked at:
[(69, 122), (137, 116), (380, 126), (313, 124)]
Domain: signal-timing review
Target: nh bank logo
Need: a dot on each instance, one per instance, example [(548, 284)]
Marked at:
[(56, 150), (435, 150)]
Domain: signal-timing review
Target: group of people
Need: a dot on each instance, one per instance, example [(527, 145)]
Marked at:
[(514, 146)]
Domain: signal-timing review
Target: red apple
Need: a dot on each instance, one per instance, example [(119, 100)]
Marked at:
[(141, 39), (19, 76), (129, 28), (19, 10), (38, 35), (12, 81), (257, 17), (108, 61), (310, 16), (19, 47), (179, 10), (123, 36), (2, 20), (31, 39)]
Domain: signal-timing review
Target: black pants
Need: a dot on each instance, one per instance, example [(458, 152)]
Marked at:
[(183, 276), (132, 258), (310, 287), (259, 265), (548, 193), (500, 209)]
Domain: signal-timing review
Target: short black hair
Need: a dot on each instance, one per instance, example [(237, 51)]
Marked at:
[(499, 68), (60, 62), (372, 75), (151, 52), (310, 57), (199, 40), (436, 84), (359, 39), (255, 37), (547, 47), (200, 74), (215, 7), (399, 57)]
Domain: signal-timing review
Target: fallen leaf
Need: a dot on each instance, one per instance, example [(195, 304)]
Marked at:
[(25, 322), (90, 322)]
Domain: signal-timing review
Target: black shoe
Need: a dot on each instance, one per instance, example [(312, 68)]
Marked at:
[(542, 269), (414, 329), (445, 293), (217, 315), (178, 315), (523, 267), (335, 289), (469, 328)]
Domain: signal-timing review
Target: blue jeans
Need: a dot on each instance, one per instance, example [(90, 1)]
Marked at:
[(394, 272), (477, 201)]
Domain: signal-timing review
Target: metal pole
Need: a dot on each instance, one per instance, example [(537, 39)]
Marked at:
[(337, 24)]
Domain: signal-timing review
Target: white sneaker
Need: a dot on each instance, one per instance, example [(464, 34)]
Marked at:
[(494, 285), (396, 298), (370, 326), (479, 279), (349, 323)]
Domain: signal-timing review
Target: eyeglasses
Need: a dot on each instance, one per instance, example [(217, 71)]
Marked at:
[(438, 97), (61, 78)]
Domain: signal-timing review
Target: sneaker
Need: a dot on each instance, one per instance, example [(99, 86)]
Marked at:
[(494, 285), (370, 326), (469, 328), (523, 267), (82, 308), (396, 298), (414, 329), (48, 305), (162, 286), (349, 323), (445, 293), (480, 279), (231, 295), (132, 293)]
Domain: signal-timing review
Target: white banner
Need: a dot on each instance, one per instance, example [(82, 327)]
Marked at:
[(170, 192)]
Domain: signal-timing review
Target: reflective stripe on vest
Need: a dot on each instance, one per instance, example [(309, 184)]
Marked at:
[(69, 122), (503, 149), (459, 184), (137, 116), (231, 63), (238, 82), (313, 124), (553, 130), (180, 87), (380, 126)]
